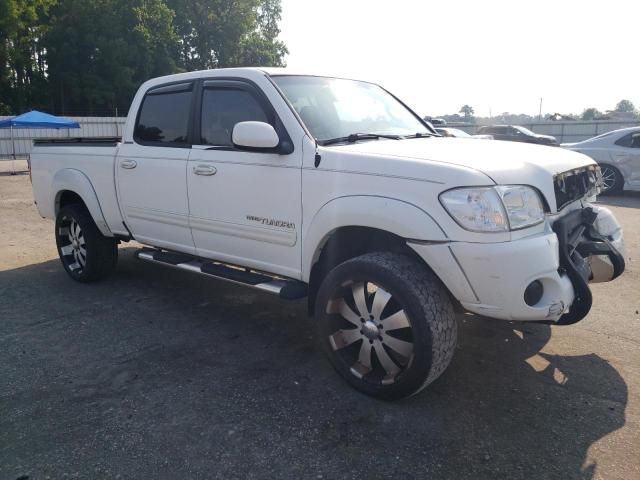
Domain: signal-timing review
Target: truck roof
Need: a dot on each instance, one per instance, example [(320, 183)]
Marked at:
[(243, 71)]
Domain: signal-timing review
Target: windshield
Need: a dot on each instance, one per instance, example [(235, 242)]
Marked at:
[(459, 133), (331, 108), (526, 131), (608, 134)]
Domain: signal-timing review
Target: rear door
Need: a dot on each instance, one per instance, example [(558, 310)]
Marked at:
[(625, 155), (500, 133), (245, 206), (151, 170), (515, 135)]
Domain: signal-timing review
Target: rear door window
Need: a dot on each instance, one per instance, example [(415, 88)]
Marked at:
[(163, 119), (630, 141)]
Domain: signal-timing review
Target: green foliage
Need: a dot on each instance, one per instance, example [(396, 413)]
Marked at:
[(467, 111), (100, 51), (591, 114), (223, 33), (625, 106), (81, 56), (22, 63)]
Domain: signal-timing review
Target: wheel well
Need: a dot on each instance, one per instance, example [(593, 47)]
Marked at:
[(345, 243), (67, 197)]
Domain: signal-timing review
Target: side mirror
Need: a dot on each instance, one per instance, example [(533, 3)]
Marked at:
[(257, 136)]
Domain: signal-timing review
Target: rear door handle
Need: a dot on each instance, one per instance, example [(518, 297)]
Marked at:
[(206, 170), (129, 164)]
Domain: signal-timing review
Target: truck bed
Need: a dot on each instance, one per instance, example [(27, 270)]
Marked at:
[(54, 159)]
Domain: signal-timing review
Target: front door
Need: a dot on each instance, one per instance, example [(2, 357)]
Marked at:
[(245, 206), (151, 170)]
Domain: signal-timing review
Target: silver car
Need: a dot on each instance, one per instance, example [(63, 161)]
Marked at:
[(618, 154)]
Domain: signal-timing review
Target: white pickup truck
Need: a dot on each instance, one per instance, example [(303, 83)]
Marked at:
[(333, 189)]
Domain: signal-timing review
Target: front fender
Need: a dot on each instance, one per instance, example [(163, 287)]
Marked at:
[(395, 216), (78, 183)]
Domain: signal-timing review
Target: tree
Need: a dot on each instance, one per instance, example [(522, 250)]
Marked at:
[(625, 106), (99, 52), (22, 65), (591, 114), (467, 111), (81, 56), (224, 33), (262, 47)]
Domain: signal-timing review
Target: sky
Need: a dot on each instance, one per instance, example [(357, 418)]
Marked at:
[(497, 56)]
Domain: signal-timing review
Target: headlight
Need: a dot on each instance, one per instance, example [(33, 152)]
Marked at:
[(494, 209), (523, 205)]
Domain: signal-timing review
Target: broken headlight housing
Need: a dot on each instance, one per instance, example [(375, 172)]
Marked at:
[(494, 209)]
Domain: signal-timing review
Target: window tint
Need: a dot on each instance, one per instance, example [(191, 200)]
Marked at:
[(164, 117), (631, 141), (222, 108)]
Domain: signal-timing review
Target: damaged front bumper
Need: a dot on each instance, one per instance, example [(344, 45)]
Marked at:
[(591, 249), (543, 277)]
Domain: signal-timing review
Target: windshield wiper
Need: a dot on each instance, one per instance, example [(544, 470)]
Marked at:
[(354, 137), (422, 135)]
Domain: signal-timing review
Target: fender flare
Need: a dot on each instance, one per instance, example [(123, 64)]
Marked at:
[(77, 182), (391, 215)]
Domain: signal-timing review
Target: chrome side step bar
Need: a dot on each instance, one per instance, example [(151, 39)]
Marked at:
[(284, 288)]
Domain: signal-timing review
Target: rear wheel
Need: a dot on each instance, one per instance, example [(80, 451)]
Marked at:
[(386, 323), (85, 253), (612, 181)]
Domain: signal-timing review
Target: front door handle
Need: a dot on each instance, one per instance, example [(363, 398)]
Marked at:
[(206, 170), (129, 164)]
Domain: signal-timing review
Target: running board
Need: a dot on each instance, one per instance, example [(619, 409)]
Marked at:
[(285, 289)]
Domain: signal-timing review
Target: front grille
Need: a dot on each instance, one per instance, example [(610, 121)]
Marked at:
[(576, 184)]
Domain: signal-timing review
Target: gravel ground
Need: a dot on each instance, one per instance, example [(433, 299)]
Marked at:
[(156, 373)]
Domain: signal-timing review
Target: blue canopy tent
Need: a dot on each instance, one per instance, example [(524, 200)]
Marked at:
[(35, 119)]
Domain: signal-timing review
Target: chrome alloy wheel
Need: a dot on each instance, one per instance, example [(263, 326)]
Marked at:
[(375, 335), (608, 178), (73, 246)]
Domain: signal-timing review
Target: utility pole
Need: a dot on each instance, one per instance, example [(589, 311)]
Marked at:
[(540, 111)]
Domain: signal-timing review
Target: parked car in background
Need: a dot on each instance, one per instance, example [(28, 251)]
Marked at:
[(457, 133), (516, 133), (618, 154), (435, 121)]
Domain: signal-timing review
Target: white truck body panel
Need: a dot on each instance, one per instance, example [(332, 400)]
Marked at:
[(95, 163)]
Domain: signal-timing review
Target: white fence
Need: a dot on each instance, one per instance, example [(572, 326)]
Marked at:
[(89, 127), (568, 131)]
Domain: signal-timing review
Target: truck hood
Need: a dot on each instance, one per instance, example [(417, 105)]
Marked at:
[(504, 162)]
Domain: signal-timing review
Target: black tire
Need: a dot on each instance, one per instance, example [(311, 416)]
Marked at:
[(100, 253), (612, 179), (411, 294)]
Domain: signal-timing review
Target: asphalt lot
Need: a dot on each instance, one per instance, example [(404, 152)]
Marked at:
[(156, 373)]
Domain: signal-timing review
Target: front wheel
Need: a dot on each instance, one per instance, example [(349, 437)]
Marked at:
[(85, 253), (386, 323)]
